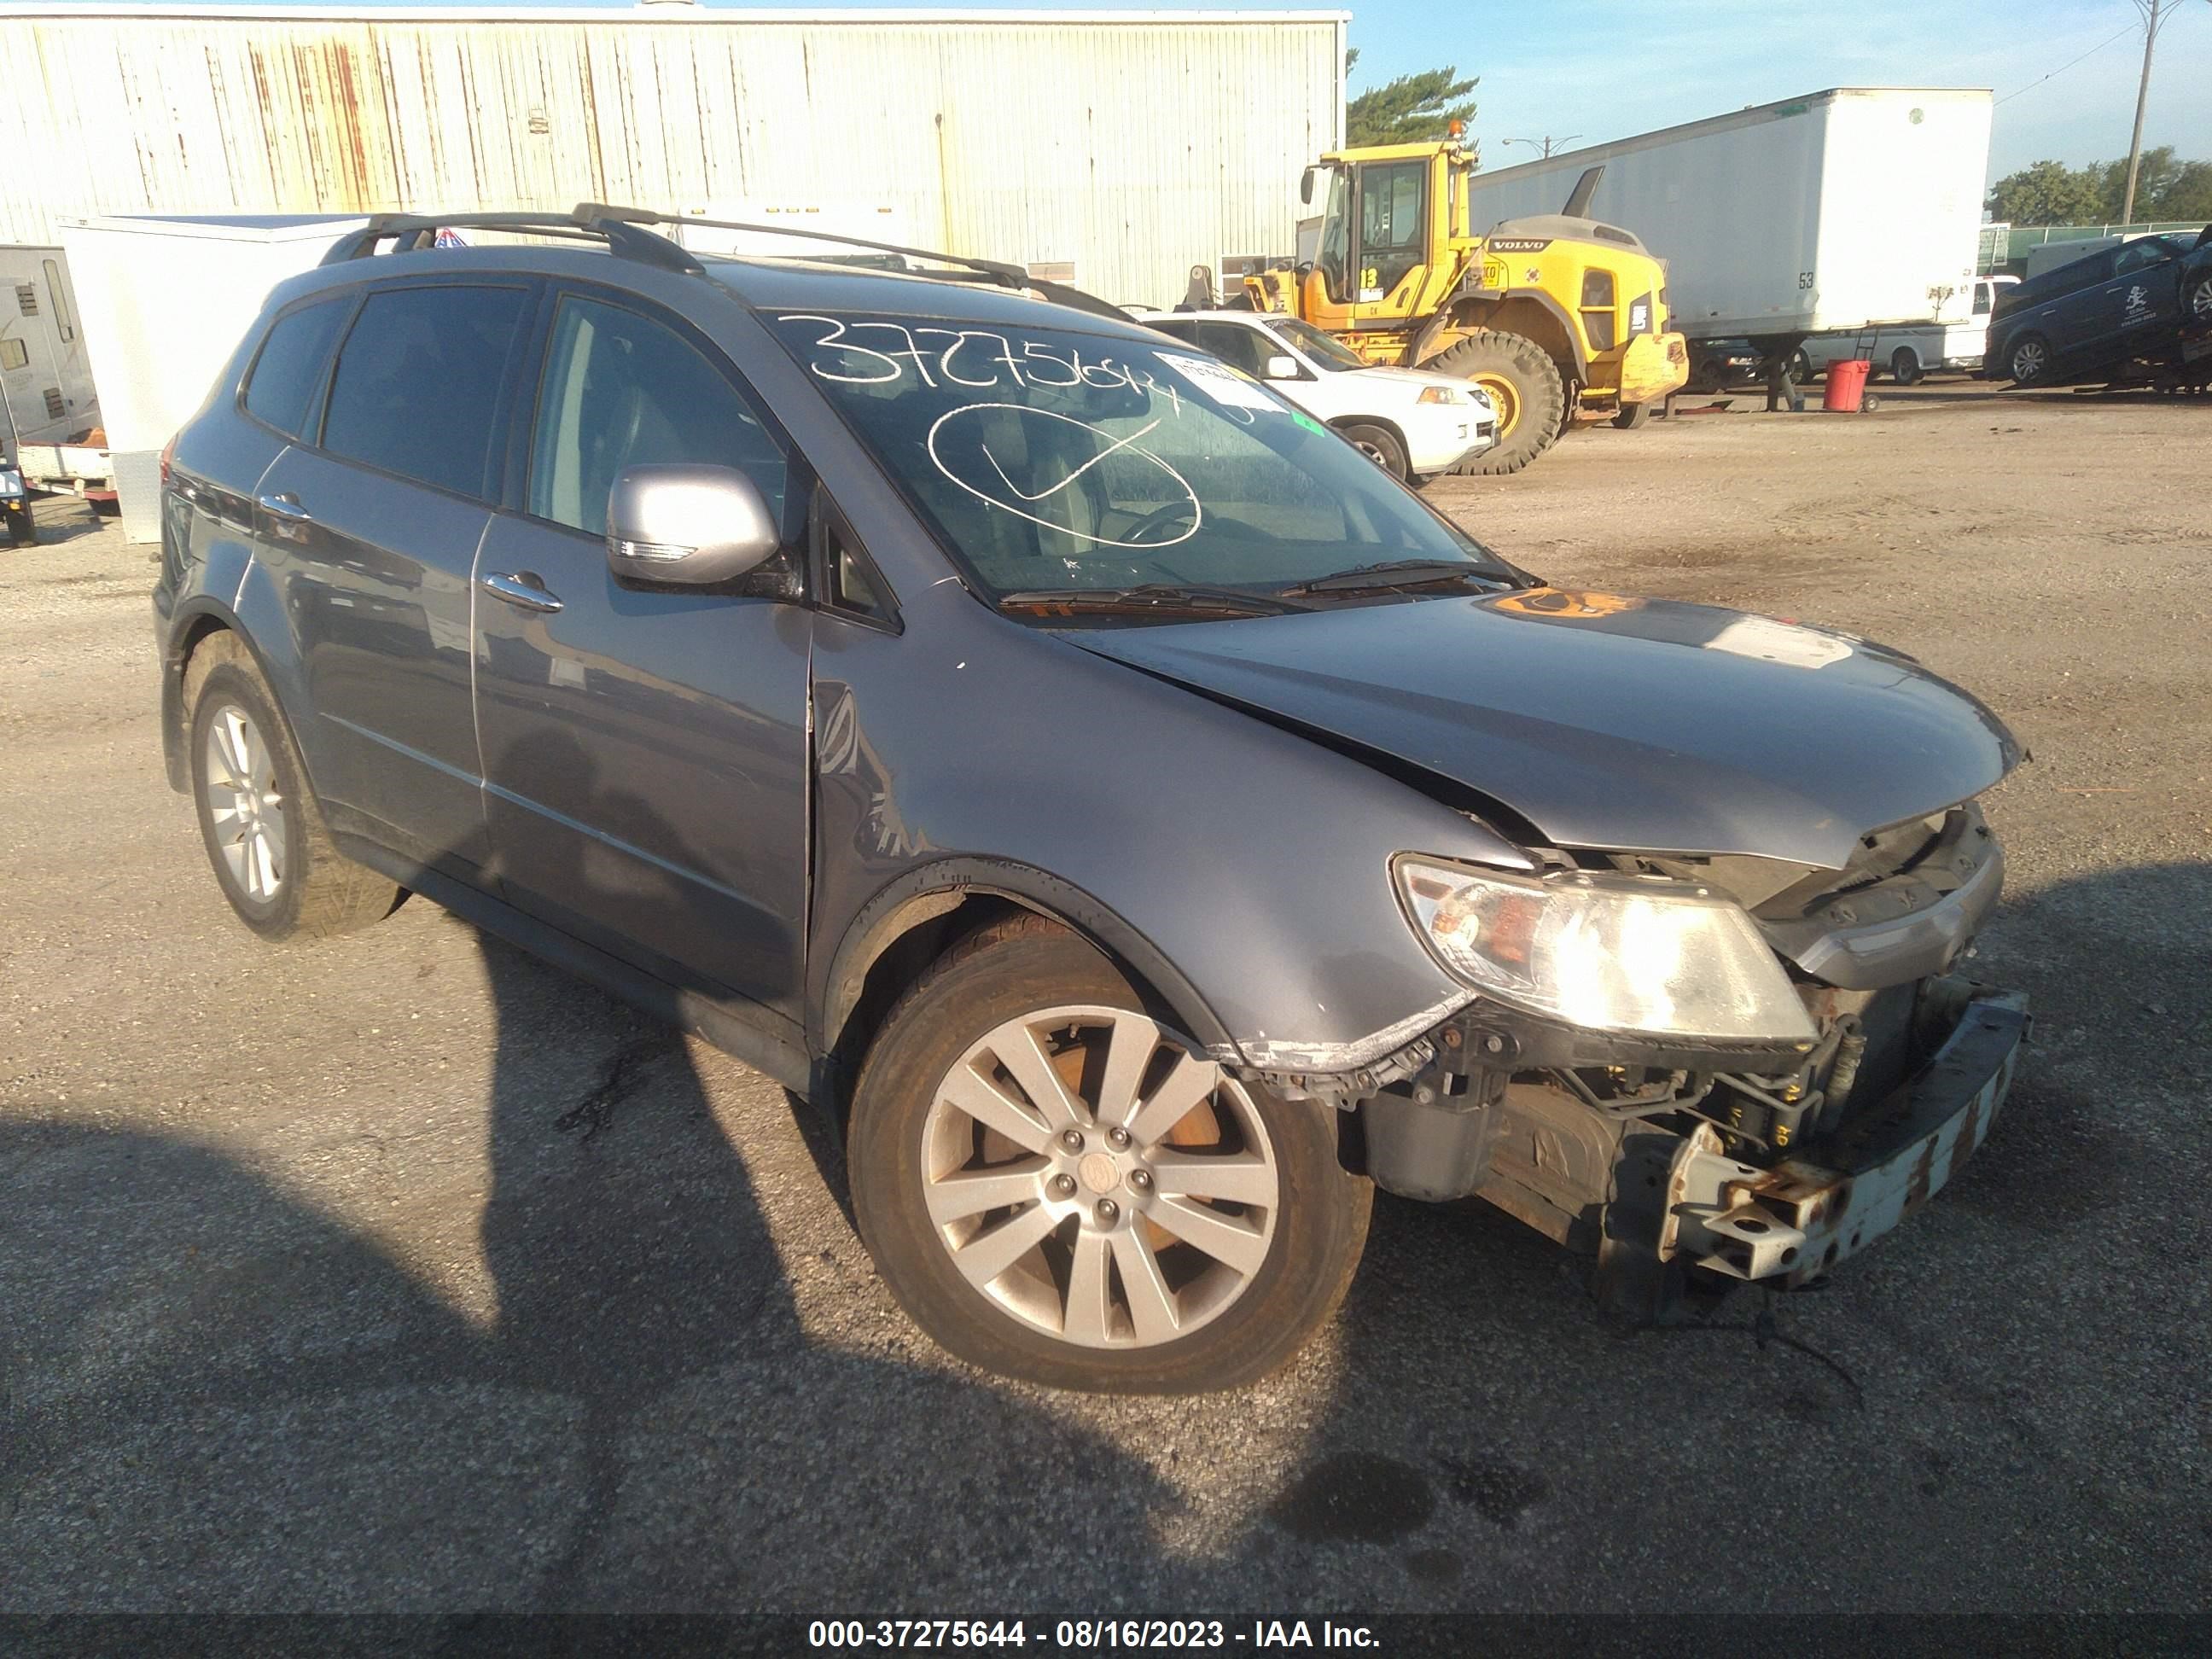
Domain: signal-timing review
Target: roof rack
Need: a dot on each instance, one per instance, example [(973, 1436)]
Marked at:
[(1007, 276), (623, 230), (410, 232)]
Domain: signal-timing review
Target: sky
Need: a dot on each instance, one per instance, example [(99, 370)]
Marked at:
[(1606, 68)]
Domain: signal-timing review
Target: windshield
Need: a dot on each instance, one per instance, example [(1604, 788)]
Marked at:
[(1326, 350), (1050, 459)]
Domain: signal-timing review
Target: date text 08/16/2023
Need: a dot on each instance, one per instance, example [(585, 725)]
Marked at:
[(1086, 1635)]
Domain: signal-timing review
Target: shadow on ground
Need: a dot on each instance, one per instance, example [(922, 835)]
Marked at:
[(216, 1397)]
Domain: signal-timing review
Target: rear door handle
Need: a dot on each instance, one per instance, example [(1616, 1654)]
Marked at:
[(522, 589), (286, 507)]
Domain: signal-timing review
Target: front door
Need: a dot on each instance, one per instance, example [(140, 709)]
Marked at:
[(371, 527), (645, 751), (2141, 299)]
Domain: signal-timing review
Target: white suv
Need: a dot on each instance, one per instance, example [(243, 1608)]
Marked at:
[(1414, 423)]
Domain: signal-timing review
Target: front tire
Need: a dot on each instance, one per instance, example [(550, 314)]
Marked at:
[(1524, 384), (265, 833), (1057, 1187), (1381, 446), (1633, 415)]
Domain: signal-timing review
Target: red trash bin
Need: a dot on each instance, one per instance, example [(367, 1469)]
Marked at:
[(1846, 384)]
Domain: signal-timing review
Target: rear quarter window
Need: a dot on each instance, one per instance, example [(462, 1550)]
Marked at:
[(417, 391), (289, 366)]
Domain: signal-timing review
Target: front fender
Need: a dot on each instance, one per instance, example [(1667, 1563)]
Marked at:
[(1244, 868)]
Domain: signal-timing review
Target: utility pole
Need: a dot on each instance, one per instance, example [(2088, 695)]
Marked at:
[(2155, 12), (1547, 145)]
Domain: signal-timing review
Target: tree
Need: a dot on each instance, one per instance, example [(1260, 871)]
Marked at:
[(2166, 188), (2187, 196), (1410, 110), (2049, 193), (2155, 178)]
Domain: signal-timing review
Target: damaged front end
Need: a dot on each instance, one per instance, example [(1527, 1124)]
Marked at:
[(1767, 1156)]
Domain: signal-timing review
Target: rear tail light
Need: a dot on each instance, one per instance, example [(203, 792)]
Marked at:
[(168, 454)]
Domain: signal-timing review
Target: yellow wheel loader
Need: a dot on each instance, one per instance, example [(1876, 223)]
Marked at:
[(1558, 317)]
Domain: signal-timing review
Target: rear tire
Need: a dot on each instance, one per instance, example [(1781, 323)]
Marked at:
[(1000, 1286), (1381, 446), (1904, 367), (2028, 361), (1533, 407), (264, 830)]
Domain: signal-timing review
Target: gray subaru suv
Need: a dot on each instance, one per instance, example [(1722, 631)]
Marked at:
[(1138, 824)]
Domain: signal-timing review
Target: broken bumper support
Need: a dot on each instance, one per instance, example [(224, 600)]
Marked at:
[(1792, 1222)]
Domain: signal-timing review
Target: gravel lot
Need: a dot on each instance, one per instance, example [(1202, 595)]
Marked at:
[(401, 1272)]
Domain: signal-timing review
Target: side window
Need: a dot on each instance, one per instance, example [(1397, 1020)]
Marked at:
[(289, 366), (849, 580), (1983, 292), (1391, 197), (418, 382), (1234, 343), (62, 320), (2136, 255), (1187, 333), (620, 390)]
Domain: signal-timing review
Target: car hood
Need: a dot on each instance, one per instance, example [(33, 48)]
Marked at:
[(1405, 383), (1610, 723)]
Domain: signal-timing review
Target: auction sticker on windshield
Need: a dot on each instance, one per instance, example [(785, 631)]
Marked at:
[(1222, 383)]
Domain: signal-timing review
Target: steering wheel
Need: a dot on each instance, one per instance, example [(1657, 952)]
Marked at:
[(1188, 509)]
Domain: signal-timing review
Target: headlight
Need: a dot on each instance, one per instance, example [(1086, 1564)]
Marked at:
[(1615, 955), (1441, 394)]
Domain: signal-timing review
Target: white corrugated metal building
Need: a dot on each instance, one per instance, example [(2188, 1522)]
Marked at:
[(1130, 144)]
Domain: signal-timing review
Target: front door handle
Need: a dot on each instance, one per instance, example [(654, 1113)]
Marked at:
[(522, 589), (286, 506)]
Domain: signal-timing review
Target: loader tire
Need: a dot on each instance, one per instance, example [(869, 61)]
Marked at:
[(1525, 385)]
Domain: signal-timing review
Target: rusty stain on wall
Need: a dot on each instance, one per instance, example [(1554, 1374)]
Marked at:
[(1136, 147)]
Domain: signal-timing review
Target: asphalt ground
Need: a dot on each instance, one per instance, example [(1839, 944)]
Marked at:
[(401, 1272)]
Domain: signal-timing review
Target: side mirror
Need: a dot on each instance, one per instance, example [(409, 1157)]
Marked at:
[(1281, 367), (1305, 186), (688, 523)]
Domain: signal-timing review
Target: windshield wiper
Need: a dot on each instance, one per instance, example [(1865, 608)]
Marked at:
[(1395, 572), (1149, 597)]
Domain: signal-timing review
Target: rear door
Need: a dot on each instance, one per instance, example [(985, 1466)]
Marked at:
[(2074, 319), (645, 750), (371, 525)]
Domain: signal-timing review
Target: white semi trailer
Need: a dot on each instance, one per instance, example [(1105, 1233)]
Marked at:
[(1852, 209)]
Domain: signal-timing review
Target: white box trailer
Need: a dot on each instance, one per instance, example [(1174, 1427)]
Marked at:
[(1849, 208), (164, 300), (45, 377)]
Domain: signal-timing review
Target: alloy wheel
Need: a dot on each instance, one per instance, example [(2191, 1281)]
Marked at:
[(1097, 1179), (2027, 361), (244, 805)]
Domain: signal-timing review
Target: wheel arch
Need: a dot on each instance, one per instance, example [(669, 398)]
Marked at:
[(1341, 422), (1534, 315), (196, 621), (913, 921)]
